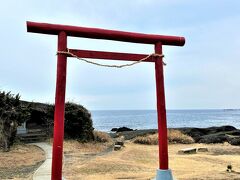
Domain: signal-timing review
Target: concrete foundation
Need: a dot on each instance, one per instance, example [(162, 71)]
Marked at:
[(164, 175)]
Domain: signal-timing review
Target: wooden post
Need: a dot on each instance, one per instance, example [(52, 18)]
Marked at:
[(161, 110), (58, 134), (96, 33)]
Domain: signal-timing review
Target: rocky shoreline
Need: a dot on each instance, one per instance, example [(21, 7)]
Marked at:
[(209, 135), (214, 134)]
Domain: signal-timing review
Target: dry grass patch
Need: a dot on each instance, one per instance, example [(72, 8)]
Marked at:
[(21, 155), (20, 162), (148, 139), (174, 136), (73, 146), (124, 164), (108, 166), (137, 161), (101, 142), (102, 137)]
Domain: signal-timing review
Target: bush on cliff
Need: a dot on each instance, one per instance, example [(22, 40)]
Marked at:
[(78, 122), (12, 114)]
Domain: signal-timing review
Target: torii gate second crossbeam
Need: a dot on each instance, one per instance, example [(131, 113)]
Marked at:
[(62, 31)]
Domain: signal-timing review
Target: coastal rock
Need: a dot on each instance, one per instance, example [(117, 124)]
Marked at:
[(200, 135), (132, 134), (213, 138), (114, 129), (214, 134), (197, 133), (234, 141), (122, 129), (234, 133)]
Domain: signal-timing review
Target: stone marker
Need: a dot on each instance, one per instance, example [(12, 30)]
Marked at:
[(117, 147), (188, 151)]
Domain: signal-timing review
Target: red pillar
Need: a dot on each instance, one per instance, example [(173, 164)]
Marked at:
[(161, 110), (58, 133)]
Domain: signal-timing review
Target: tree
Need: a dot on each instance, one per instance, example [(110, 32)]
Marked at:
[(77, 124), (12, 114)]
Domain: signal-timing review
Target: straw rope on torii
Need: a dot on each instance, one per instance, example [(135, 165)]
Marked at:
[(65, 31), (112, 66)]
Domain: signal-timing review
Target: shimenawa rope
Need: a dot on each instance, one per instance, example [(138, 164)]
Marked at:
[(106, 65)]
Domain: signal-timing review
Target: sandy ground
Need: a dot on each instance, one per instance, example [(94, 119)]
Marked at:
[(140, 162), (20, 162)]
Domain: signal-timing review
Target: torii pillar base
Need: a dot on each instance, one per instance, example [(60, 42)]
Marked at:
[(164, 175)]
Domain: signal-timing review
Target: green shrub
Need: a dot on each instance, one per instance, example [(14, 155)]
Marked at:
[(12, 114), (77, 124)]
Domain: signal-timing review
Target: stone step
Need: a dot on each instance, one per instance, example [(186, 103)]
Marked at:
[(192, 150), (32, 140), (188, 151), (36, 130), (117, 147), (32, 137)]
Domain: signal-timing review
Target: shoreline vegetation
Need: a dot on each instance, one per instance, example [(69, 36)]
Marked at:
[(188, 135)]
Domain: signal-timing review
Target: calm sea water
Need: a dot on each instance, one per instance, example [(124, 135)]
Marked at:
[(147, 119)]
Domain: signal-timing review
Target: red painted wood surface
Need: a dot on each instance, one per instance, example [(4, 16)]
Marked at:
[(110, 55), (161, 110), (63, 31), (97, 33), (59, 109)]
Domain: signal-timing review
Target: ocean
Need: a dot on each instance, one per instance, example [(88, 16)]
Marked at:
[(105, 120)]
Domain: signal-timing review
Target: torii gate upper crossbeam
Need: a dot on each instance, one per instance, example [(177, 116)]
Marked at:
[(97, 33), (62, 31)]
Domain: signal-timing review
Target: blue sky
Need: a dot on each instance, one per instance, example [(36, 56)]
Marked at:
[(202, 74)]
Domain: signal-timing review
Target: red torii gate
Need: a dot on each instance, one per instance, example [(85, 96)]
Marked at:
[(62, 31)]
